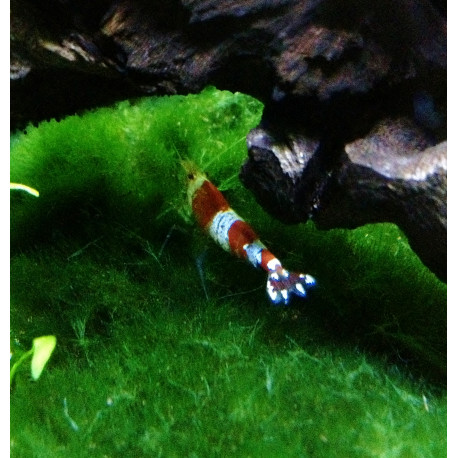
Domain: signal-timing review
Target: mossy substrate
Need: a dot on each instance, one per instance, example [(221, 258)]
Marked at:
[(168, 346)]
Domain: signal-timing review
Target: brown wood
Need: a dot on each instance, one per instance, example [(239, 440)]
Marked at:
[(354, 93)]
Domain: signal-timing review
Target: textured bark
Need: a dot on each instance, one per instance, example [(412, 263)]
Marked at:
[(394, 174), (353, 90)]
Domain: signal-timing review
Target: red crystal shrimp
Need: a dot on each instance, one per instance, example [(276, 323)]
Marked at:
[(214, 214)]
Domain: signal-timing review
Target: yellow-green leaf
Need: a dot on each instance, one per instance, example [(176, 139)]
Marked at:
[(42, 350), (23, 187)]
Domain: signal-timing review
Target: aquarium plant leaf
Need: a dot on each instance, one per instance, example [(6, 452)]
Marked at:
[(42, 350)]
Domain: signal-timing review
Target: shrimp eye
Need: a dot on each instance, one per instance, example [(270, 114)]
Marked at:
[(191, 176)]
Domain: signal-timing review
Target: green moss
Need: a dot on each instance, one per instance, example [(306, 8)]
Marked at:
[(146, 365), (125, 160)]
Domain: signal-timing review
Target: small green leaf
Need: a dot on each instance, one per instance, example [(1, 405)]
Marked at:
[(42, 350), (23, 187)]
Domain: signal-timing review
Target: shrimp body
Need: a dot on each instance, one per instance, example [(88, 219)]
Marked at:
[(233, 234)]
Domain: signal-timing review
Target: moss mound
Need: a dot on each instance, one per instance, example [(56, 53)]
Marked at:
[(167, 346)]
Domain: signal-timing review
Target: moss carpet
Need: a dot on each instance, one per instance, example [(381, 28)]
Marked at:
[(168, 346)]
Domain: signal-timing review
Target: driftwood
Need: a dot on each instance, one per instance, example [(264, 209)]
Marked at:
[(355, 93), (390, 175)]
